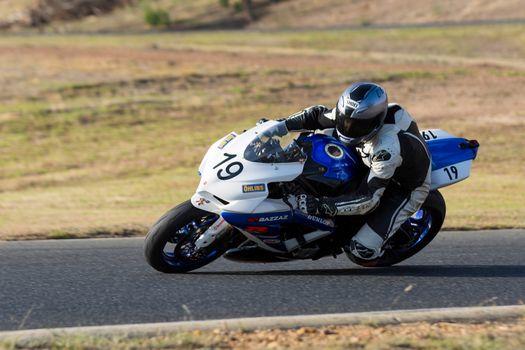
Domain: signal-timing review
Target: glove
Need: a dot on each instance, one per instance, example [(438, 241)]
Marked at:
[(302, 120), (311, 205), (261, 121), (315, 111)]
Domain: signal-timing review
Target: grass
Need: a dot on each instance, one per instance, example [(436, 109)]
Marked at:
[(502, 336), (105, 133), (201, 14), (487, 42)]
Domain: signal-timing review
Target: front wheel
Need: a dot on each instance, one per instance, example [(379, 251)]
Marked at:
[(170, 243), (415, 234)]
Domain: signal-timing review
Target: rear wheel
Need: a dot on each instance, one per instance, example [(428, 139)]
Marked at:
[(170, 244), (416, 233)]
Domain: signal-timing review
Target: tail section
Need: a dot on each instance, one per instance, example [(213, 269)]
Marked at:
[(452, 157)]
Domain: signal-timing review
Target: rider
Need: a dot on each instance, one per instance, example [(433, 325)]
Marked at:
[(389, 142)]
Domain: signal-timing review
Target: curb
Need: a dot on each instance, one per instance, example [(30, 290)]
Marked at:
[(459, 314)]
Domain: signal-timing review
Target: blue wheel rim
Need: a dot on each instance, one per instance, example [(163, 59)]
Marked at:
[(420, 224), (186, 257)]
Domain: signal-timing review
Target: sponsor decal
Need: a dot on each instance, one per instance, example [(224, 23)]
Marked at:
[(381, 156), (218, 224), (257, 229), (202, 201), (268, 218), (227, 140), (352, 103), (326, 222), (273, 218), (253, 188), (329, 209)]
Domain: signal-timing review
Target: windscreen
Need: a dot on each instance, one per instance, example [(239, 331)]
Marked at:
[(275, 145)]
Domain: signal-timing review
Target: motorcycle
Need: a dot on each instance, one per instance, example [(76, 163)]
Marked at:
[(245, 209)]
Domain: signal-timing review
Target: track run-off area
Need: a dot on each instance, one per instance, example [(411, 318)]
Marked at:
[(64, 283)]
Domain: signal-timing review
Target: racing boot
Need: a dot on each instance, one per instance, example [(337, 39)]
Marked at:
[(366, 244)]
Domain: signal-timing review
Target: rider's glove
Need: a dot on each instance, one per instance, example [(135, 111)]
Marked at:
[(315, 206), (261, 121), (303, 119), (315, 111)]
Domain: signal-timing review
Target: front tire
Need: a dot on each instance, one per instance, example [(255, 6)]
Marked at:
[(170, 243), (415, 234)]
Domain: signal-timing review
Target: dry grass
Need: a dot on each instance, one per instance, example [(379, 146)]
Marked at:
[(103, 134), (418, 336), (286, 14), (323, 13)]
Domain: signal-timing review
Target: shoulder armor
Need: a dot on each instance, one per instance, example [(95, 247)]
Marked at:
[(393, 108)]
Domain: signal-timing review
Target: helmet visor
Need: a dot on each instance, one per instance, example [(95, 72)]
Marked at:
[(355, 128)]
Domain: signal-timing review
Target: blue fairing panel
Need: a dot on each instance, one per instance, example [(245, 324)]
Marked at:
[(449, 151), (268, 227), (268, 219), (276, 219)]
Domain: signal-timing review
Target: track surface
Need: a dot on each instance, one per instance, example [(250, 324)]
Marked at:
[(106, 281)]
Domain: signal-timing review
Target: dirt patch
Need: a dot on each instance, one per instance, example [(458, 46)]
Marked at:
[(36, 13), (418, 336), (334, 13), (46, 11), (408, 336)]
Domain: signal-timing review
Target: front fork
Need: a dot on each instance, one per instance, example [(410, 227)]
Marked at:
[(213, 233)]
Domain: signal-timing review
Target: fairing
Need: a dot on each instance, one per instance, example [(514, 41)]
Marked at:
[(247, 191), (452, 157)]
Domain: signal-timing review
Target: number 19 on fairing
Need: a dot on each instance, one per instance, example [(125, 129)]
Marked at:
[(452, 172), (233, 169)]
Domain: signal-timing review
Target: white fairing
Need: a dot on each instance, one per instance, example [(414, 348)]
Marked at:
[(436, 134), (453, 171), (441, 177), (246, 192)]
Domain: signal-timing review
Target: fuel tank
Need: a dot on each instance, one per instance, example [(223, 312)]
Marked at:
[(331, 167)]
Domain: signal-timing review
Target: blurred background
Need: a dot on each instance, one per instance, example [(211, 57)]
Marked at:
[(107, 107)]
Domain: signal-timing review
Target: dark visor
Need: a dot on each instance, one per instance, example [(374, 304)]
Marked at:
[(354, 128)]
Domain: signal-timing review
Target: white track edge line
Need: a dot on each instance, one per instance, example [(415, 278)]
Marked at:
[(456, 314)]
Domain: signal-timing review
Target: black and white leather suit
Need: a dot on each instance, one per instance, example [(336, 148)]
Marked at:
[(399, 178)]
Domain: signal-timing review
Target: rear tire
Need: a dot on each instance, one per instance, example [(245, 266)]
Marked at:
[(398, 248), (169, 242)]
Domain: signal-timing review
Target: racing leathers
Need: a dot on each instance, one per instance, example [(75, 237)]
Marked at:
[(395, 188)]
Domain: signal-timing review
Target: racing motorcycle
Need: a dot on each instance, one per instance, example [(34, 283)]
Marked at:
[(245, 210)]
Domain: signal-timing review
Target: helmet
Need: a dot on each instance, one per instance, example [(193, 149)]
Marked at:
[(360, 112)]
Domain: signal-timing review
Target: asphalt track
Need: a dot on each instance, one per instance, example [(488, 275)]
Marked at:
[(106, 281)]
